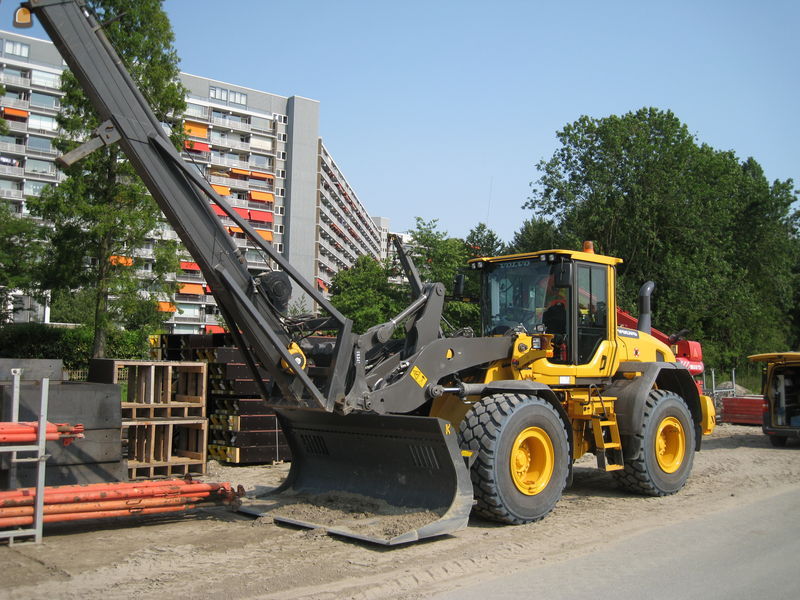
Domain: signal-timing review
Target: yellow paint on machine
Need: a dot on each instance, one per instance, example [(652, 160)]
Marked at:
[(419, 377)]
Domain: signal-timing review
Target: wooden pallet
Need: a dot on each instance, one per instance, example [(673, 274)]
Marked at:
[(132, 411), (159, 444), (156, 382), (174, 468), (264, 454)]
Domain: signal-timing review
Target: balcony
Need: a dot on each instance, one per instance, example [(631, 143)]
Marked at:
[(49, 174), (229, 162), (17, 125), (12, 148), (14, 80), (12, 171), (13, 102), (11, 194), (231, 124)]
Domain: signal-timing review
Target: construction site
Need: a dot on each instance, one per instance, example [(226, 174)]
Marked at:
[(292, 456)]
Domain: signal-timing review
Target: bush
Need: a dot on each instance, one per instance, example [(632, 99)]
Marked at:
[(73, 346)]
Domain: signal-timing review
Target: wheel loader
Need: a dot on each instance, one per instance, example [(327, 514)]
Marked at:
[(402, 421)]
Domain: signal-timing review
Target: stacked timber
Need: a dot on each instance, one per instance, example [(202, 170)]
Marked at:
[(163, 414), (96, 457), (242, 428)]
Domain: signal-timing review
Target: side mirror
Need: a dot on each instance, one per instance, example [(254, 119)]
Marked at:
[(458, 285), (562, 275)]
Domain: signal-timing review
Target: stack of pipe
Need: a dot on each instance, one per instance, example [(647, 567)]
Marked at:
[(26, 431), (100, 500)]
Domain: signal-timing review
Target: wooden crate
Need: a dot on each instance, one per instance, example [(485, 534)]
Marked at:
[(166, 447), (176, 383)]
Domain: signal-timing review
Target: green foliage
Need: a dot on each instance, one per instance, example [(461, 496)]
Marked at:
[(439, 258), (73, 346), (536, 234), (718, 239), (102, 209), (20, 257), (482, 241), (363, 293)]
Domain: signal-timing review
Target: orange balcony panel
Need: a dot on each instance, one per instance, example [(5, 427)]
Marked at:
[(257, 175), (267, 235), (189, 266), (195, 129), (222, 190), (194, 289), (166, 307), (121, 261), (262, 196)]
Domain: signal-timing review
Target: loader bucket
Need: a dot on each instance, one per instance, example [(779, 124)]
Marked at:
[(382, 479)]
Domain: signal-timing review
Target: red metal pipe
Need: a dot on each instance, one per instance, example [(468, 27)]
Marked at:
[(153, 492), (131, 503), (150, 492), (19, 521), (114, 485), (18, 438)]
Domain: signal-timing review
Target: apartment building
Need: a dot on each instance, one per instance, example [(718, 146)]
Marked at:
[(260, 151)]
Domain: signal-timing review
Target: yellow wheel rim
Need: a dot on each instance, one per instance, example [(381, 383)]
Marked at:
[(670, 444), (532, 461)]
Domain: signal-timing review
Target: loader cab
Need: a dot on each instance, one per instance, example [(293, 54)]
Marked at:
[(567, 294)]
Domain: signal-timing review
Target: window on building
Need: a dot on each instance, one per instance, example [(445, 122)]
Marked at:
[(39, 143), (196, 110), (217, 93), (10, 139), (281, 173), (42, 122), (34, 188), (17, 48), (260, 161), (43, 167), (261, 123), (237, 98), (281, 155), (5, 184), (44, 100), (45, 79), (278, 228), (279, 210), (15, 72)]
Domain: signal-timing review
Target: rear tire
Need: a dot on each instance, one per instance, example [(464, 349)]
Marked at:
[(778, 441), (522, 459), (664, 450)]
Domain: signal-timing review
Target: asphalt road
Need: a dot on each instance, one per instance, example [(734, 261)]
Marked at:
[(749, 552)]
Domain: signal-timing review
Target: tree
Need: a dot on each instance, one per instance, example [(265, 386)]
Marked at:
[(20, 257), (363, 293), (482, 241), (101, 212), (534, 235), (717, 239), (439, 258)]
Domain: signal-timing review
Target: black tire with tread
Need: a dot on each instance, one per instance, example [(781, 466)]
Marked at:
[(642, 474), (490, 429)]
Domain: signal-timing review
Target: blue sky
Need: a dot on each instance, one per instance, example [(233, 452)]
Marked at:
[(442, 109)]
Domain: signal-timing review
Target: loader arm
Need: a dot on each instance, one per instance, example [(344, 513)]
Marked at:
[(389, 450), (183, 196)]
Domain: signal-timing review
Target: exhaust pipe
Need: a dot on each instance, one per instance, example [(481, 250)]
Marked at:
[(645, 315)]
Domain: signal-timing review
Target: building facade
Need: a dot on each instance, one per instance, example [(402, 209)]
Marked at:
[(260, 151)]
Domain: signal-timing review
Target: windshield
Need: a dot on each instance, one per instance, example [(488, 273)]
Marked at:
[(521, 292)]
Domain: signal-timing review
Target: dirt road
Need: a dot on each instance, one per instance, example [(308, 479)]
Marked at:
[(217, 553)]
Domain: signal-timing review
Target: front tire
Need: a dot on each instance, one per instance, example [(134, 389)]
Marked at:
[(665, 446), (522, 459)]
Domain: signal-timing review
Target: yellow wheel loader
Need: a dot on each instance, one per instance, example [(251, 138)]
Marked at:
[(415, 431)]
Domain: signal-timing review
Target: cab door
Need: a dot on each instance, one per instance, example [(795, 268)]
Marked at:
[(595, 320)]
